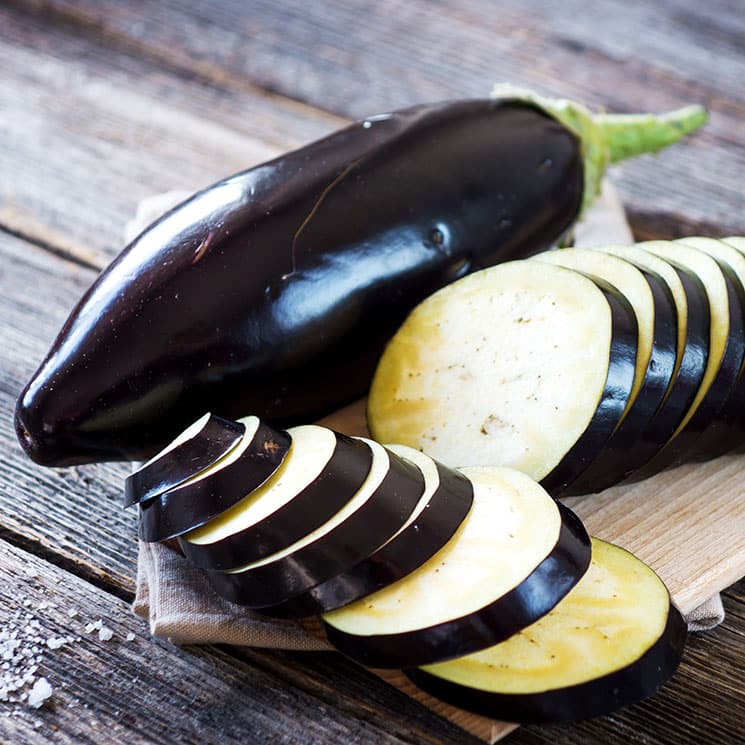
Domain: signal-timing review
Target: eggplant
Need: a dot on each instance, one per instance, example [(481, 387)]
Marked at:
[(725, 358), (692, 349), (196, 449), (445, 503), (524, 365), (375, 513), (274, 291), (614, 640), (322, 472), (655, 313), (217, 488), (516, 555)]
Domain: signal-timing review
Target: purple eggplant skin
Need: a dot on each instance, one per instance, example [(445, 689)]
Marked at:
[(274, 291), (604, 695), (216, 439)]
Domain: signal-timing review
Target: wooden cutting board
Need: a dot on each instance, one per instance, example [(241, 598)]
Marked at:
[(688, 524)]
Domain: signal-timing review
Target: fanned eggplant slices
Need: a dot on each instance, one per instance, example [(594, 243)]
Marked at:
[(486, 590), (581, 368)]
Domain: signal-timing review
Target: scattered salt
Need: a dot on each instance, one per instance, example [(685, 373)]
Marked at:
[(41, 691), (105, 634), (72, 613), (130, 637), (56, 642), (31, 572)]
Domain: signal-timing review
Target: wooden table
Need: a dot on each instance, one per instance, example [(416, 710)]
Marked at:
[(103, 103)]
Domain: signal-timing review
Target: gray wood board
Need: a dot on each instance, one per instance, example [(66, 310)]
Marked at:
[(87, 131)]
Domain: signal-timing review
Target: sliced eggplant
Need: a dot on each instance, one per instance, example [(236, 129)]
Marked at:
[(196, 448), (446, 501), (515, 556), (613, 641), (633, 285), (376, 512), (656, 316), (516, 365), (323, 470), (729, 429), (726, 350), (212, 491), (692, 349)]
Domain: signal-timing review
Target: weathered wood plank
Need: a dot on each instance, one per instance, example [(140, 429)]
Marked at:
[(73, 514), (145, 690), (353, 58), (87, 131)]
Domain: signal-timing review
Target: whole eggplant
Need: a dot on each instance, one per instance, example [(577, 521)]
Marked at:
[(274, 291)]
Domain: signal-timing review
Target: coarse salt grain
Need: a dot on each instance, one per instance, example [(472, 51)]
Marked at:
[(105, 634), (41, 691)]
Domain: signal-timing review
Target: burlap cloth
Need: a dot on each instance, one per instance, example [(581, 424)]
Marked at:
[(175, 597)]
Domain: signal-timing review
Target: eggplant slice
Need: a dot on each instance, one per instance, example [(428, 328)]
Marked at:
[(322, 471), (614, 640), (447, 499), (375, 513), (692, 350), (212, 491), (195, 449), (517, 553), (656, 317), (726, 350), (731, 430), (513, 366)]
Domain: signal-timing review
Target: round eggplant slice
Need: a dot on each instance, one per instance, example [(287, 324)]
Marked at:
[(446, 501), (729, 430), (726, 349), (735, 241), (323, 470), (212, 491), (507, 366), (692, 349), (659, 322), (613, 404), (516, 555), (633, 285), (196, 448), (376, 512), (614, 640)]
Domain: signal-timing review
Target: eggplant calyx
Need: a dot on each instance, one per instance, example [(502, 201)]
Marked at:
[(610, 138)]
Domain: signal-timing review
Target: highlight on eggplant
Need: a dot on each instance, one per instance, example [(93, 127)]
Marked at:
[(274, 291)]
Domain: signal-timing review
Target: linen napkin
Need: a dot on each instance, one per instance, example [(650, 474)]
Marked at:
[(176, 598)]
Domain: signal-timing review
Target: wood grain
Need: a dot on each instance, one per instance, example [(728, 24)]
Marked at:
[(87, 131), (354, 58)]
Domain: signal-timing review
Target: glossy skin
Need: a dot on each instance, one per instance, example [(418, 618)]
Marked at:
[(274, 292)]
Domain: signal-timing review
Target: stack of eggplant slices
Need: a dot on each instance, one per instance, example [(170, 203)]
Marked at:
[(448, 554)]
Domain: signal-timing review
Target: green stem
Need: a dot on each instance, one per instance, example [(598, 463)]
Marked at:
[(628, 135), (609, 138)]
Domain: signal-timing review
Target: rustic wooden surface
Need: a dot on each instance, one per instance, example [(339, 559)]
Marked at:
[(103, 103)]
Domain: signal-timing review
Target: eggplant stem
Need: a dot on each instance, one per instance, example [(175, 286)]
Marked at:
[(628, 135), (609, 138)]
